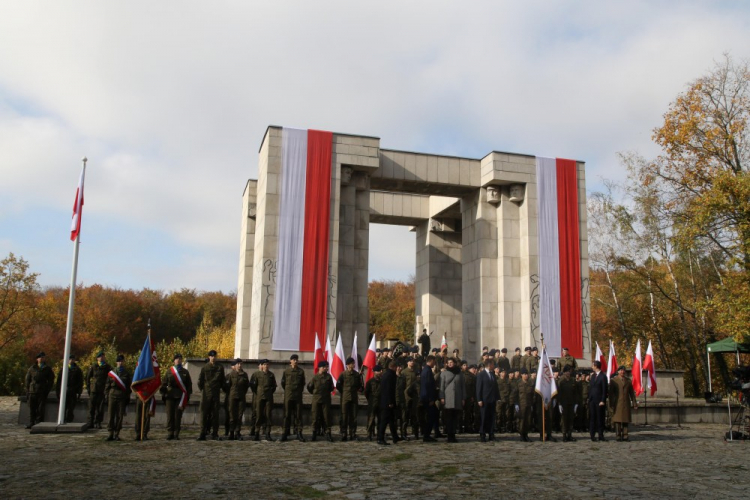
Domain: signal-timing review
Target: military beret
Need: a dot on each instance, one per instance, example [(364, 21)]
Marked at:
[(378, 350), (41, 355), (435, 349), (502, 369), (472, 366), (518, 349), (622, 368), (386, 349), (485, 348), (323, 364), (176, 356), (415, 349), (409, 360), (120, 357), (552, 362), (492, 352), (349, 361), (524, 371), (377, 368), (72, 356), (485, 354), (527, 348), (534, 349), (565, 349), (464, 362), (212, 353), (504, 349), (294, 356), (100, 355), (263, 362)]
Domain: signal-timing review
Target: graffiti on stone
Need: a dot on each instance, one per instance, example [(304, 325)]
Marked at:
[(268, 289), (535, 312)]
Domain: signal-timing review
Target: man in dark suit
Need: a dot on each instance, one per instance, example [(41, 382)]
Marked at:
[(487, 397), (597, 400), (387, 404), (427, 397)]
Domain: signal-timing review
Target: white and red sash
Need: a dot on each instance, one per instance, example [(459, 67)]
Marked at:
[(117, 380), (184, 398)]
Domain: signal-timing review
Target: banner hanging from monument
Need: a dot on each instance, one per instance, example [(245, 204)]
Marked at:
[(559, 255), (304, 228)]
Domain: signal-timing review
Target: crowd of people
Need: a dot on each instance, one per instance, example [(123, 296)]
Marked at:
[(414, 394)]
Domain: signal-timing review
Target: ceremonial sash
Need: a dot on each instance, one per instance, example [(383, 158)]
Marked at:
[(183, 399), (117, 380)]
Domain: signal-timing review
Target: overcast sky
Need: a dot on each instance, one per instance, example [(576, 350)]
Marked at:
[(169, 100)]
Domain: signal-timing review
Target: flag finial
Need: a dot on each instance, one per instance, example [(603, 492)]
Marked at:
[(85, 160)]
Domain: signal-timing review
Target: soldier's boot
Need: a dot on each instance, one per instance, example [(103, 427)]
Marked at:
[(268, 437), (215, 436), (256, 436), (343, 437), (300, 437), (111, 437), (177, 435), (353, 436), (314, 436), (329, 437), (625, 433), (284, 436), (170, 437), (369, 434), (238, 436), (117, 436), (202, 437), (231, 436)]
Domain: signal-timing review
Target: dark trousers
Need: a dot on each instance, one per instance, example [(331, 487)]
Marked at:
[(236, 410), (116, 413), (174, 416), (430, 418), (96, 408), (451, 418), (36, 407), (321, 416), (410, 416), (210, 407), (386, 420), (293, 415), (263, 409), (142, 415), (349, 417), (596, 419), (487, 412), (70, 405), (566, 419), (373, 419)]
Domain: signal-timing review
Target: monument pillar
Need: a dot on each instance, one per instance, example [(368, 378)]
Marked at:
[(245, 282)]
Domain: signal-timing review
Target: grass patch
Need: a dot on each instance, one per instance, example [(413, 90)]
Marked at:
[(395, 458)]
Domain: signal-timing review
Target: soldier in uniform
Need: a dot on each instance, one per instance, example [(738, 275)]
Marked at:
[(621, 396), (263, 385), (515, 362), (567, 360), (372, 394), (532, 362), (400, 399), (96, 379), (73, 389), (140, 416), (293, 383), (39, 381), (504, 408), (567, 402), (502, 360), (525, 404), (321, 387), (211, 381), (349, 384), (176, 387), (424, 339), (411, 397), (117, 392), (237, 385)]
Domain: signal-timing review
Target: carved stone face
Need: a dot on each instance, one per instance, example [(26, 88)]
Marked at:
[(493, 195), (517, 192), (346, 175)]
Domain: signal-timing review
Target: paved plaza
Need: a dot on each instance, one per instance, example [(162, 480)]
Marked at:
[(659, 462)]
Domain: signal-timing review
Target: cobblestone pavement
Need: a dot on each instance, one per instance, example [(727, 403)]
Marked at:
[(659, 462)]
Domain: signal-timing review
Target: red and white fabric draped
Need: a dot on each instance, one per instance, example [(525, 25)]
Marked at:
[(559, 256), (301, 298)]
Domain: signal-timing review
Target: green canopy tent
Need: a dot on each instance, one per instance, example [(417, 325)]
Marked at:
[(726, 345)]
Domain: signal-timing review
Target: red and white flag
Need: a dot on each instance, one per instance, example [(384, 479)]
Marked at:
[(545, 380), (329, 357), (319, 354), (637, 371), (370, 359), (612, 362), (648, 365), (354, 352), (443, 344), (600, 357), (559, 255), (301, 301), (75, 225), (337, 368)]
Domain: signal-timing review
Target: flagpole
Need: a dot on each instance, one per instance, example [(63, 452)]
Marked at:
[(71, 304)]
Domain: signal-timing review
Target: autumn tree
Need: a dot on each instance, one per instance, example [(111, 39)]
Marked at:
[(392, 309), (18, 288)]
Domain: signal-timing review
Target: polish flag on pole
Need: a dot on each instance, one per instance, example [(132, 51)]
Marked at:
[(637, 371), (612, 362), (329, 357), (337, 368), (75, 225), (319, 353), (600, 357), (354, 352), (648, 365), (370, 359), (443, 344)]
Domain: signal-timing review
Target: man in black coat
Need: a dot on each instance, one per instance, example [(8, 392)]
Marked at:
[(387, 404), (597, 400), (427, 397), (487, 396)]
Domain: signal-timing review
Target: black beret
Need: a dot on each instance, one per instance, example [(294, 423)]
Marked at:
[(492, 352), (263, 362), (524, 371), (472, 366), (237, 360), (378, 350), (518, 348), (621, 368), (535, 348), (504, 349), (526, 349), (72, 356), (485, 348), (409, 359), (294, 356), (565, 349), (120, 357), (349, 361), (41, 355), (177, 356), (377, 368), (212, 353), (415, 349), (100, 355), (323, 364), (552, 362), (502, 369), (386, 349)]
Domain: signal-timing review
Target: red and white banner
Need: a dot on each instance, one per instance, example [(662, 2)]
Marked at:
[(637, 371), (319, 354), (75, 225), (178, 379), (354, 352), (118, 381), (304, 227), (443, 344), (559, 256), (370, 359), (600, 356), (648, 365), (545, 380), (611, 362), (337, 368), (329, 357)]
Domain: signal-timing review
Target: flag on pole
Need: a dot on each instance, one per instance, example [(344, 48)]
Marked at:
[(545, 380), (648, 365), (319, 353), (370, 359), (329, 357), (337, 368), (443, 344), (600, 357), (354, 352), (612, 362), (146, 377), (75, 225), (637, 371)]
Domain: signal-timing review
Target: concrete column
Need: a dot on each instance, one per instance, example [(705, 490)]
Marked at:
[(345, 307), (585, 295), (361, 319), (245, 282), (509, 271)]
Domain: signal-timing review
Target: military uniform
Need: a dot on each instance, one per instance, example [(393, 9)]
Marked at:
[(567, 361), (238, 384), (504, 408), (503, 363), (567, 399), (348, 385), (516, 362), (321, 387), (398, 413), (119, 397), (96, 379), (73, 390), (263, 385), (372, 393), (411, 398), (39, 382), (210, 382), (172, 395), (525, 407), (531, 363), (293, 383), (583, 409)]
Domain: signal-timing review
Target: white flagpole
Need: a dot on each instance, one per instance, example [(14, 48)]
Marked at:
[(71, 304)]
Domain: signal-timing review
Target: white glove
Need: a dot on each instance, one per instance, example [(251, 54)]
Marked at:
[(575, 408), (560, 410), (518, 409)]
